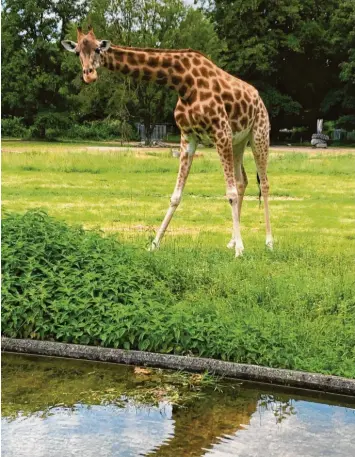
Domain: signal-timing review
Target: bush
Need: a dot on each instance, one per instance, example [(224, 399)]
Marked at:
[(54, 274), (65, 284), (100, 130), (346, 122), (52, 126), (96, 130), (13, 127), (49, 124)]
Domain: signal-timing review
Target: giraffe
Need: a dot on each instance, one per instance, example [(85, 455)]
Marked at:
[(212, 105)]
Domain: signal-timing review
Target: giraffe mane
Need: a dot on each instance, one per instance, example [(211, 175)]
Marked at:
[(159, 50)]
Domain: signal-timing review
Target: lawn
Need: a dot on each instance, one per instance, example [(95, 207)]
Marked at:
[(125, 192), (293, 307)]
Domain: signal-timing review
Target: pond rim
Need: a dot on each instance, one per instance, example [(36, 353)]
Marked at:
[(296, 380)]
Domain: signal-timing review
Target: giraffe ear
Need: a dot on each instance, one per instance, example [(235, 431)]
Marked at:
[(105, 45), (69, 45)]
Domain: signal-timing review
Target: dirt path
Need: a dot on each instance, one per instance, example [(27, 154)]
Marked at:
[(304, 150), (310, 150)]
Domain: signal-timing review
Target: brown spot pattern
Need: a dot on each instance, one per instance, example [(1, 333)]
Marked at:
[(203, 83), (204, 72), (131, 58), (215, 86), (189, 80), (227, 96), (205, 96), (244, 106), (186, 62), (152, 62), (141, 57), (125, 69)]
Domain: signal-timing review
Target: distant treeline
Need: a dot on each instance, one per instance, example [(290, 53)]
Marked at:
[(300, 54)]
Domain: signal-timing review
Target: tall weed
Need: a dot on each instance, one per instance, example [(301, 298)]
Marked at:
[(293, 308)]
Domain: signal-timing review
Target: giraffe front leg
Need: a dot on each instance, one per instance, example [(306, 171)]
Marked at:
[(242, 182), (236, 241), (225, 151), (188, 148)]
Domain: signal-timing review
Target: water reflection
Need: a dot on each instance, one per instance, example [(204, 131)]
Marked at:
[(95, 431), (314, 430), (55, 408)]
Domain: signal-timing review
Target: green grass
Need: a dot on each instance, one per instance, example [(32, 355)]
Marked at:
[(122, 191), (292, 308)]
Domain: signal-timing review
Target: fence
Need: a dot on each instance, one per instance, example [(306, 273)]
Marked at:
[(159, 132)]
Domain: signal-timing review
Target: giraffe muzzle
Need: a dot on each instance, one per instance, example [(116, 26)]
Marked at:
[(89, 75)]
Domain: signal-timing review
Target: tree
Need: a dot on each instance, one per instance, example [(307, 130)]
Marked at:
[(32, 83), (339, 102), (148, 23), (283, 47)]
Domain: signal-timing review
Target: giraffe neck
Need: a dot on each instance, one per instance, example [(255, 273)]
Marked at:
[(167, 68)]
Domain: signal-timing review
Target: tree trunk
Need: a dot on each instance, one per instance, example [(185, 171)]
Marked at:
[(148, 129)]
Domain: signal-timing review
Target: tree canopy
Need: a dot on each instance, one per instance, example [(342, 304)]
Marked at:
[(300, 55)]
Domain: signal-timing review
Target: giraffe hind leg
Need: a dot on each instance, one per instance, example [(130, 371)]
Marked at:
[(240, 178), (260, 147)]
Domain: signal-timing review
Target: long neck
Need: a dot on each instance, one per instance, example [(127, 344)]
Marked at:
[(168, 68)]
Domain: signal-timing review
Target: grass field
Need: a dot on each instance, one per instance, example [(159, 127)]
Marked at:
[(297, 300), (125, 192)]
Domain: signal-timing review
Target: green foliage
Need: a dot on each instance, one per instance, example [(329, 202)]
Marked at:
[(99, 130), (13, 127), (49, 123), (299, 54), (346, 122), (342, 36), (31, 58), (290, 309), (41, 82)]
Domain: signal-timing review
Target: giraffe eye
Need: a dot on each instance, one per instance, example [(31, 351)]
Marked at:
[(77, 53), (97, 50)]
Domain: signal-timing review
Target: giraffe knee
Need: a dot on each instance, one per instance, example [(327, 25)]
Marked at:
[(241, 188), (232, 196), (264, 186), (175, 199)]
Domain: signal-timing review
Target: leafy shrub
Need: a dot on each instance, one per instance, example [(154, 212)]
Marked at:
[(13, 127), (100, 130), (54, 125), (74, 286), (346, 122), (49, 124)]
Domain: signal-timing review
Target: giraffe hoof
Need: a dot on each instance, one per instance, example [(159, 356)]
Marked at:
[(153, 247), (231, 244), (239, 252), (270, 245)]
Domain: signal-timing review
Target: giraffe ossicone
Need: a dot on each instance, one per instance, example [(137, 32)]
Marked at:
[(212, 105)]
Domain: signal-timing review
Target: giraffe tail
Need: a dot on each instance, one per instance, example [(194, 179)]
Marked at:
[(258, 181)]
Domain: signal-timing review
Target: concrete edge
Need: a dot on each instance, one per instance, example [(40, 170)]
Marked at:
[(282, 377)]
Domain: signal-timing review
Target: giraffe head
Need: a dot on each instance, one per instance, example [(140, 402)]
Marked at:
[(88, 48)]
